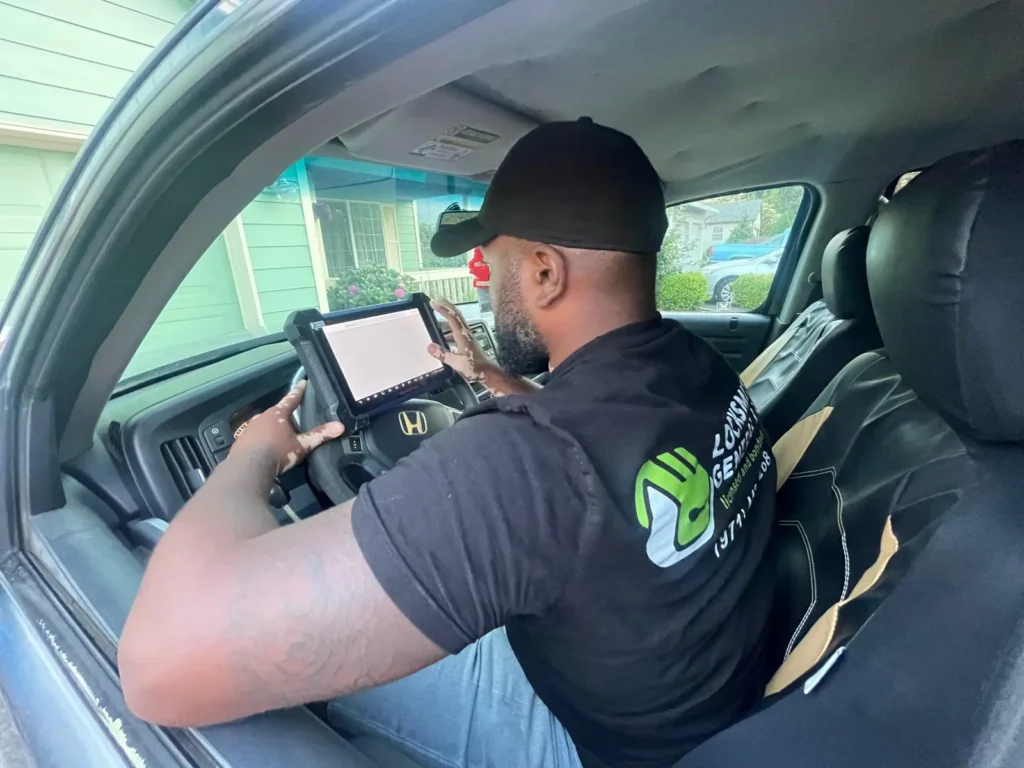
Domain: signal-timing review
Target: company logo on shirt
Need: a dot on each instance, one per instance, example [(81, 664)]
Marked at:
[(676, 497), (675, 503)]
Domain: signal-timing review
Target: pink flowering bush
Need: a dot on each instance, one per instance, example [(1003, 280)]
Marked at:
[(366, 286)]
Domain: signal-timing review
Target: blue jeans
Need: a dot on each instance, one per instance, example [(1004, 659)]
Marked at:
[(473, 709)]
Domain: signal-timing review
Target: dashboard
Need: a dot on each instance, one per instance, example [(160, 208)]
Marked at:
[(159, 443)]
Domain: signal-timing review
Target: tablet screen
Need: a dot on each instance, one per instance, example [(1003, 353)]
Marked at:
[(381, 355)]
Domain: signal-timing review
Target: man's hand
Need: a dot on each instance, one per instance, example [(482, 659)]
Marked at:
[(469, 359), (271, 433)]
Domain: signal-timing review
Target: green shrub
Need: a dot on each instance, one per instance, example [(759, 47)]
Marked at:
[(365, 286), (682, 292), (750, 291)]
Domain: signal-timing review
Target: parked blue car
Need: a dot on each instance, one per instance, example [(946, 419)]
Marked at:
[(730, 251)]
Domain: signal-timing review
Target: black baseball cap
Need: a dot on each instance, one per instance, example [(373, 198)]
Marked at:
[(571, 183)]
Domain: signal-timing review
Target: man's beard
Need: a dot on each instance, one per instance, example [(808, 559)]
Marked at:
[(521, 351)]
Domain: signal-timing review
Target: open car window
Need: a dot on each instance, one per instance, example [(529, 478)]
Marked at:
[(721, 254), (328, 233)]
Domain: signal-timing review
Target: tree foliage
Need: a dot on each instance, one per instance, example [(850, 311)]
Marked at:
[(742, 232), (682, 292), (750, 291), (430, 261), (678, 254), (674, 256), (779, 207)]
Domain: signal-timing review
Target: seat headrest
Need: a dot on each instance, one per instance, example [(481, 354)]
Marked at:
[(945, 267), (844, 280)]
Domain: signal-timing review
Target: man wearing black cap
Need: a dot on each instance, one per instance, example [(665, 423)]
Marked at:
[(583, 562)]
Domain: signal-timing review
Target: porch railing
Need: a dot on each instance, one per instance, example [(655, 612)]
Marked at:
[(454, 285)]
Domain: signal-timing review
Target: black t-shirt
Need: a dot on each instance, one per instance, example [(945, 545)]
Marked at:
[(615, 523)]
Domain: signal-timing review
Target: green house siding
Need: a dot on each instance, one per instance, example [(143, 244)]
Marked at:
[(205, 312), (405, 220), (202, 314), (28, 180), (282, 264), (62, 61), (61, 64)]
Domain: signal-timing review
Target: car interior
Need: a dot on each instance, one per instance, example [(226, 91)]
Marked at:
[(886, 359), (824, 338)]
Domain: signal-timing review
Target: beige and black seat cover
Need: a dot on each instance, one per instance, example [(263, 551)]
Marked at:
[(784, 379), (899, 615)]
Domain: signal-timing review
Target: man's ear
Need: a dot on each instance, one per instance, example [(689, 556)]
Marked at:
[(546, 272)]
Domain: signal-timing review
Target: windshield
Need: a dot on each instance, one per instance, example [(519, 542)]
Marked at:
[(328, 233), (336, 233)]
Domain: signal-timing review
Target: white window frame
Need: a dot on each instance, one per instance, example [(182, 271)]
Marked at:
[(717, 233), (352, 230), (352, 233)]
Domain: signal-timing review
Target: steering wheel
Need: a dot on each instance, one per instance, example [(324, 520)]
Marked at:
[(388, 437)]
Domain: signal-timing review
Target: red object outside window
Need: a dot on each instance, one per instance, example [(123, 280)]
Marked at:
[(479, 269)]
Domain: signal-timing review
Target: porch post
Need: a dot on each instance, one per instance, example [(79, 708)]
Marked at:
[(317, 253)]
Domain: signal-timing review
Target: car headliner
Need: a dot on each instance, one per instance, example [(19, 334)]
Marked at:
[(740, 94)]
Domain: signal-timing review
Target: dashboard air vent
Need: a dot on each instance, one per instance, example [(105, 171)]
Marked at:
[(114, 440), (187, 464)]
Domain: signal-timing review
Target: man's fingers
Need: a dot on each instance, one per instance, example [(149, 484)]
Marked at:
[(442, 307), (437, 352), (450, 313), (457, 323), (313, 439), (292, 400), (456, 362), (464, 340)]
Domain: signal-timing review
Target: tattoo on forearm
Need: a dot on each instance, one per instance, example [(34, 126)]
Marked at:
[(332, 633)]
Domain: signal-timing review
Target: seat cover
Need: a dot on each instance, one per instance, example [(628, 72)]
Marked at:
[(786, 378), (881, 455), (924, 441)]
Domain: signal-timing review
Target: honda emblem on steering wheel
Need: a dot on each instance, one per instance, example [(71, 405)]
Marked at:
[(413, 423)]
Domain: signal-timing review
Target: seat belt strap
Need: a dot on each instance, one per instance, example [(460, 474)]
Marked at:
[(752, 371)]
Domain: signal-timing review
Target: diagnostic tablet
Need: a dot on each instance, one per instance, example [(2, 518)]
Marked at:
[(363, 361)]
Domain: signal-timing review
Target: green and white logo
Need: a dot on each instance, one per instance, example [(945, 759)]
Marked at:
[(675, 502)]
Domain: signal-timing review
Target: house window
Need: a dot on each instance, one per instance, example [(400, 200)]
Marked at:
[(368, 233), (353, 236), (717, 233)]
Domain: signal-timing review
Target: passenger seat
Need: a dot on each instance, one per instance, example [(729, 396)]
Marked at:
[(900, 545), (786, 378)]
